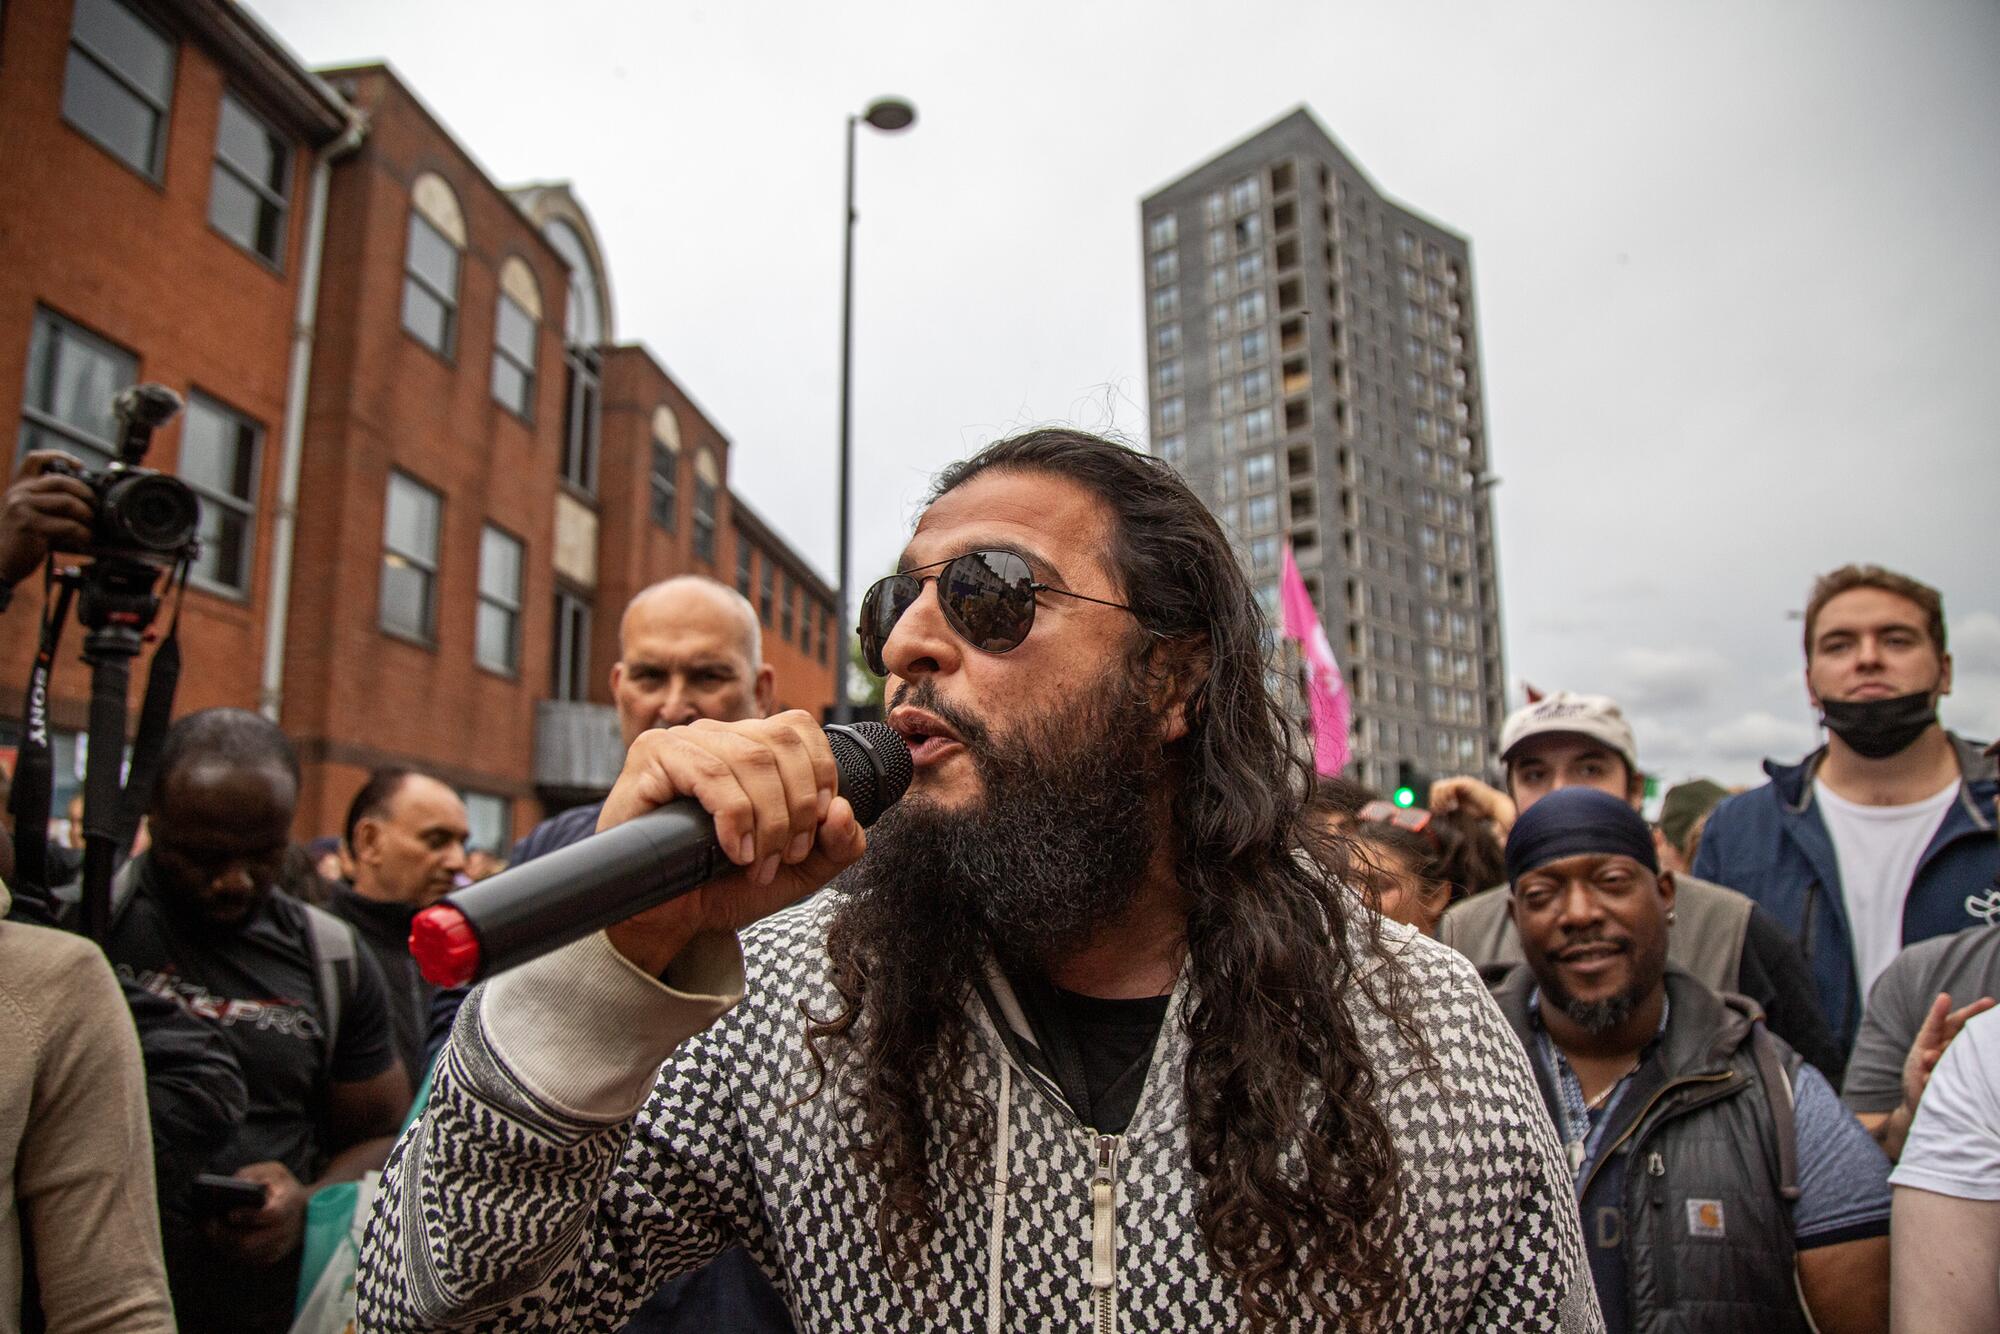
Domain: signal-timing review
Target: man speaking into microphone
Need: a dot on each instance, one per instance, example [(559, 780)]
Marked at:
[(1080, 1042)]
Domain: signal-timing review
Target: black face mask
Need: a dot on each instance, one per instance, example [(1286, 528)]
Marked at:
[(1879, 728)]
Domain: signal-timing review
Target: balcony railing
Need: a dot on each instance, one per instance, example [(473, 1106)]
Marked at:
[(578, 748)]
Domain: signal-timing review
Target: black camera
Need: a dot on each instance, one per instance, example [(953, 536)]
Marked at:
[(141, 514)]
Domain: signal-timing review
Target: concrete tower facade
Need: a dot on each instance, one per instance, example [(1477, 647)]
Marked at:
[(1314, 373)]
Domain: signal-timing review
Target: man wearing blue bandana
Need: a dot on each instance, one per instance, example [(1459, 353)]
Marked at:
[(1720, 1181)]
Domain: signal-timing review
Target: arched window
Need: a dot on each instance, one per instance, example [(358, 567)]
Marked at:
[(583, 358), (517, 321), (666, 468), (707, 481), (431, 264)]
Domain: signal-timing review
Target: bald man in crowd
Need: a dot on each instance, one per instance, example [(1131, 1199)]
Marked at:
[(688, 648)]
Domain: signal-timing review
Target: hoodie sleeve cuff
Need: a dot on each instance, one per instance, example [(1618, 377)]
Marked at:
[(585, 1031)]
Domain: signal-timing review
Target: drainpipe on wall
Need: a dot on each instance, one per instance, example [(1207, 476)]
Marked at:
[(271, 687)]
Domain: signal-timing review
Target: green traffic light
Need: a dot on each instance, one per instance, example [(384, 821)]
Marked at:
[(1406, 797)]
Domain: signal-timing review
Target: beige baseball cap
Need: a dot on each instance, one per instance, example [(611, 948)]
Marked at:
[(1595, 716)]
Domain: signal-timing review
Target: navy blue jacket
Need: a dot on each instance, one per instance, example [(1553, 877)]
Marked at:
[(1771, 844)]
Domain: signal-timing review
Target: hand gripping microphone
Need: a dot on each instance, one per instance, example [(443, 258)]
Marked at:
[(532, 909)]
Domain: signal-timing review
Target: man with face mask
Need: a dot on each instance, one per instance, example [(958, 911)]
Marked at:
[(1080, 1043), (1883, 837)]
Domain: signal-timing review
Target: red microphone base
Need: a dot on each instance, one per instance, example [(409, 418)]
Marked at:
[(444, 945)]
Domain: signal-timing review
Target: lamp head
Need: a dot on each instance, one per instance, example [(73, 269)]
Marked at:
[(890, 114)]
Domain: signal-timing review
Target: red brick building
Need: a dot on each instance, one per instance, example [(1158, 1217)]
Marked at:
[(431, 478)]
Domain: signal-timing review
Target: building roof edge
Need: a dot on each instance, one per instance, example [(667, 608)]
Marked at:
[(272, 67)]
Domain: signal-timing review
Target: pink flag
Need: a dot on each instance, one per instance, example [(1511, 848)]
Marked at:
[(1326, 688)]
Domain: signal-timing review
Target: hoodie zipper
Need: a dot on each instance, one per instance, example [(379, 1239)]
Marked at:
[(1103, 1234)]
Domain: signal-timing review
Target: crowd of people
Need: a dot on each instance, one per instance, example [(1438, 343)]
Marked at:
[(1124, 1019)]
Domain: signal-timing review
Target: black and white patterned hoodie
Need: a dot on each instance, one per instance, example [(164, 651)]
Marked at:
[(593, 1132)]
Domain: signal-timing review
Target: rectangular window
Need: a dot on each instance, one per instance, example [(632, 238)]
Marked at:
[(1218, 243), (1261, 512), (1166, 303), (1249, 231), (1212, 207), (570, 670), (118, 85), (1162, 231), (788, 609), (514, 357), (1173, 449), (409, 558), (249, 188), (1263, 555), (1250, 269), (430, 286), (1256, 384), (1259, 471), (1166, 266), (1173, 411), (219, 450), (1243, 195), (704, 520), (583, 393), (666, 485), (1167, 339), (742, 564), (1250, 308), (1168, 376), (767, 592), (497, 634), (488, 822), (1254, 345), (72, 377), (1258, 426)]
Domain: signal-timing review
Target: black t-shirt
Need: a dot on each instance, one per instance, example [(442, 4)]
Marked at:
[(1114, 1047), (258, 988)]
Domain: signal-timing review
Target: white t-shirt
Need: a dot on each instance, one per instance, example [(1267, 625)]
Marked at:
[(1954, 1144), (1878, 848)]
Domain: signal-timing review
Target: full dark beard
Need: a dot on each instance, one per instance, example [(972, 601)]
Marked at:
[(1055, 848)]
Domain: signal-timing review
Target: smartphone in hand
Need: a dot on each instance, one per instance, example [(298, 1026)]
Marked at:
[(217, 1196)]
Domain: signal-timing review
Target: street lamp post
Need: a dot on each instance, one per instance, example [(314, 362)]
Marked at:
[(887, 114)]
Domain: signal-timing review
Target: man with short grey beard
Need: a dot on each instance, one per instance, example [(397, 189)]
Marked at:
[(1722, 1184)]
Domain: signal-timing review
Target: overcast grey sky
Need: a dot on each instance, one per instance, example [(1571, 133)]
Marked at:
[(1735, 262)]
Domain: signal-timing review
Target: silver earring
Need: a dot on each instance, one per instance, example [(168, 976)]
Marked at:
[(1670, 917)]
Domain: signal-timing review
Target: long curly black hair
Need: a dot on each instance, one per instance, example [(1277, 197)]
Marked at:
[(1300, 1193)]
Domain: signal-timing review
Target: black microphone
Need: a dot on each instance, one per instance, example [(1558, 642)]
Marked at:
[(530, 910)]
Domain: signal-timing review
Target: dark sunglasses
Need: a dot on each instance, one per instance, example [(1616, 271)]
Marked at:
[(988, 599)]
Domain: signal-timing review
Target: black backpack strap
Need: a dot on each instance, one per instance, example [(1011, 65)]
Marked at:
[(1784, 1110), (336, 969)]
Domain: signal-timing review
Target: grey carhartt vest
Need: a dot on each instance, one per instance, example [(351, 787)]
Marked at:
[(1707, 1227)]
